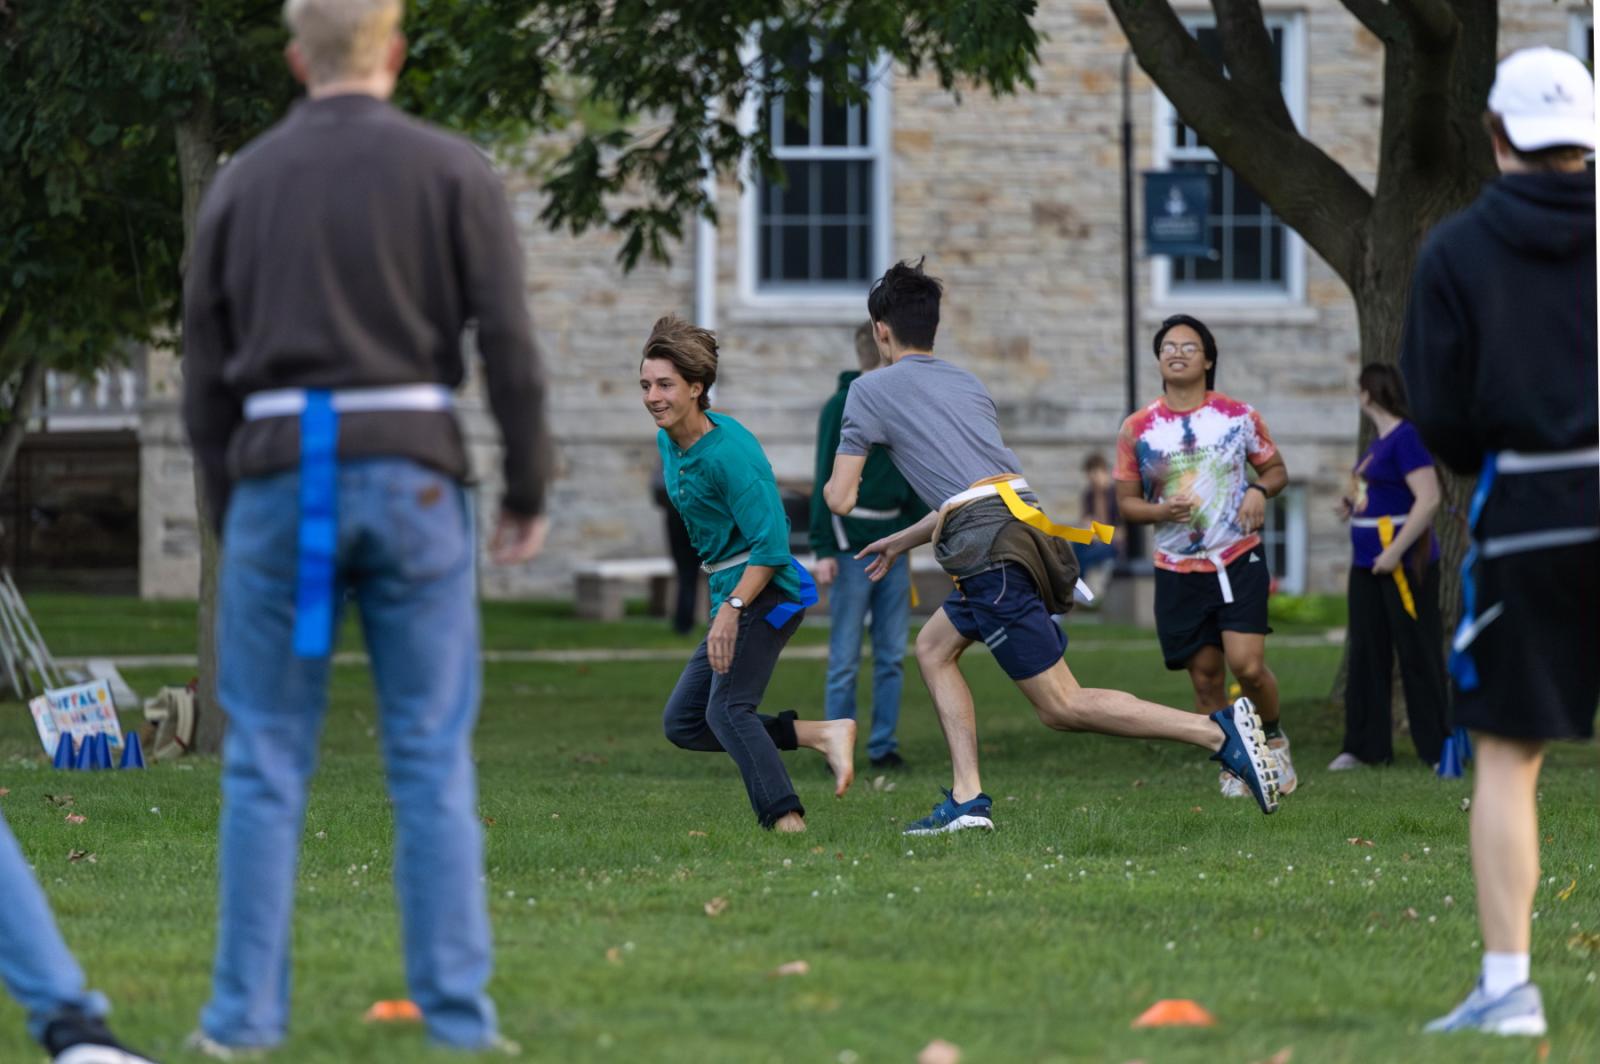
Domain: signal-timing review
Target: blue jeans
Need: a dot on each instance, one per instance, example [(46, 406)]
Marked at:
[(35, 964), (852, 597), (405, 556)]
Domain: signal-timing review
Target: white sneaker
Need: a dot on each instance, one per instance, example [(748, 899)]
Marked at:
[(1287, 780), (1519, 1011), (1233, 786), (203, 1044), (1346, 762)]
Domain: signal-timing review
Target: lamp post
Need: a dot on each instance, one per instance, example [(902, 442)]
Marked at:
[(1134, 533)]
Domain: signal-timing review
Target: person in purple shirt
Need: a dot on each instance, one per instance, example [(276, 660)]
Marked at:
[(1394, 586)]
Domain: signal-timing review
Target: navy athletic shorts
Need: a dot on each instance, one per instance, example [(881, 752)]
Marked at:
[(1001, 608)]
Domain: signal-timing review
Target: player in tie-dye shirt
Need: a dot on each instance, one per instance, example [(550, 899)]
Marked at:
[(1183, 465)]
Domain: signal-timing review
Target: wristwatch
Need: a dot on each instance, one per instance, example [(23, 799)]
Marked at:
[(735, 601)]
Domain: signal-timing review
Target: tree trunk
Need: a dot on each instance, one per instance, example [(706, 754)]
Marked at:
[(29, 384), (197, 164)]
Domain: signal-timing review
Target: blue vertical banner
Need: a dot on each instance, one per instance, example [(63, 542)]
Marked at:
[(1177, 206)]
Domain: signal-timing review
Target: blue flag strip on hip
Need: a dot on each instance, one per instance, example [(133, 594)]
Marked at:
[(1462, 667), (779, 615), (318, 534)]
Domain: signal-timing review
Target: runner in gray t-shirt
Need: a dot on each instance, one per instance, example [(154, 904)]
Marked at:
[(942, 431)]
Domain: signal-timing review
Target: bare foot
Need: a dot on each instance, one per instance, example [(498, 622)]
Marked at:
[(790, 824), (834, 740)]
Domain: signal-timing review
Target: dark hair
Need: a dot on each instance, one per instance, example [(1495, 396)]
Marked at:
[(1095, 461), (1545, 160), (867, 352), (907, 300), (691, 350), (1207, 341), (1385, 387)]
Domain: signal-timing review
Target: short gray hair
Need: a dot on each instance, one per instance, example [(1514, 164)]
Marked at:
[(342, 38)]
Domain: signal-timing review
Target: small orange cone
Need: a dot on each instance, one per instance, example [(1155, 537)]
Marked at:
[(393, 1012), (1175, 1012)]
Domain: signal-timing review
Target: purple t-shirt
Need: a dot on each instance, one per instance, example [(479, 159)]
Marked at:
[(1381, 490)]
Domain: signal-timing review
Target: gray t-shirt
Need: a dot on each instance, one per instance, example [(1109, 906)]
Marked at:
[(937, 422), (942, 432)]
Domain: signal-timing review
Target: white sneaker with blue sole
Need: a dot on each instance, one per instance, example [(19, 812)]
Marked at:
[(1519, 1011)]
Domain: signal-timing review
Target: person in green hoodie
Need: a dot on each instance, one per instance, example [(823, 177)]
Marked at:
[(886, 504)]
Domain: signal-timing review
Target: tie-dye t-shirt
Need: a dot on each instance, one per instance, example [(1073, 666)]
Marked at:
[(1202, 452)]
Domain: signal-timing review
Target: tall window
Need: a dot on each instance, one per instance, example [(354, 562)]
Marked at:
[(1580, 35), (1283, 540), (821, 230), (1254, 255)]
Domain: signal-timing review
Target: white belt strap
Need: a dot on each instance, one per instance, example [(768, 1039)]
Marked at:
[(1514, 462), (289, 402), (1083, 591), (1373, 522), (726, 563), (1499, 546), (1018, 485), (860, 513), (1222, 576)]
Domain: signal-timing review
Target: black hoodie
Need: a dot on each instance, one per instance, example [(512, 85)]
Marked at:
[(1499, 349)]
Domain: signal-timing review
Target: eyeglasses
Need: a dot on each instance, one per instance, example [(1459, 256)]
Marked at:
[(1187, 349)]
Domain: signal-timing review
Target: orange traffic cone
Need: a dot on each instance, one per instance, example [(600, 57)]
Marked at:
[(1175, 1012)]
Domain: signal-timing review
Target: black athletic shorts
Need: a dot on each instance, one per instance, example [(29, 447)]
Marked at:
[(1190, 613), (1539, 660)]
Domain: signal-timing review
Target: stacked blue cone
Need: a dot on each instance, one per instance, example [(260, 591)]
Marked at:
[(1454, 756), (94, 753), (132, 752)]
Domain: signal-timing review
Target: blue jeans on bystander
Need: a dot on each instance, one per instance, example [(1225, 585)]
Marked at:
[(851, 598)]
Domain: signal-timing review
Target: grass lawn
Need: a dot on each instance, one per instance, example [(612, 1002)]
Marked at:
[(1117, 876)]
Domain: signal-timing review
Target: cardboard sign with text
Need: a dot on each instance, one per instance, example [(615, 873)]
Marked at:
[(81, 710)]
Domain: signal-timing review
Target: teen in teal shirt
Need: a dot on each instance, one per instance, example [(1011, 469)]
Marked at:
[(721, 484)]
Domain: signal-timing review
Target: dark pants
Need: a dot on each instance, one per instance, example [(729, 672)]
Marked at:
[(687, 563), (1380, 628), (713, 713)]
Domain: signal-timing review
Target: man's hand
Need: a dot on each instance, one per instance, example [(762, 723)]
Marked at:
[(517, 539), (1252, 510), (885, 552), (826, 571), (1179, 508), (722, 638)]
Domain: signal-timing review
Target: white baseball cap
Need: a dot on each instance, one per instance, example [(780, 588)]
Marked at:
[(1545, 97)]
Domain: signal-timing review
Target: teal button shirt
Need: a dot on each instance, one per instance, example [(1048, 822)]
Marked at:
[(723, 488)]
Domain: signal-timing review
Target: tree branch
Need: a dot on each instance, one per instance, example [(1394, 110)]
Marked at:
[(1306, 188), (1247, 51), (22, 404), (1432, 22), (1378, 17)]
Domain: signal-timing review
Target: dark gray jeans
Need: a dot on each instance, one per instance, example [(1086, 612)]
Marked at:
[(716, 713)]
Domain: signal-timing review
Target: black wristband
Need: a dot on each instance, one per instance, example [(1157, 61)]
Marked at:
[(1257, 487)]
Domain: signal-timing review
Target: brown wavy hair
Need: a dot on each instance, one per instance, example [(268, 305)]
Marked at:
[(691, 350)]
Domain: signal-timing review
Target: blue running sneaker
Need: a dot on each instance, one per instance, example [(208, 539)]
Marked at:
[(1244, 752), (1519, 1010), (951, 815)]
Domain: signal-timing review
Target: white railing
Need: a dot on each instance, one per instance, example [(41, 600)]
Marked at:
[(107, 400)]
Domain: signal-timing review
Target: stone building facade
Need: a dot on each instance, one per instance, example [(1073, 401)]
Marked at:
[(1017, 205)]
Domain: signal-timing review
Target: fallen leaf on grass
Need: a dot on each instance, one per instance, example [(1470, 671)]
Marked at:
[(488, 821), (60, 800), (1411, 914), (1197, 809), (1360, 842), (1542, 1054), (589, 759), (74, 856), (939, 1051), (816, 849), (4, 791), (76, 818), (1466, 803), (1567, 893), (697, 834), (790, 968), (1282, 1056), (716, 906), (1138, 783), (1588, 940), (614, 955)]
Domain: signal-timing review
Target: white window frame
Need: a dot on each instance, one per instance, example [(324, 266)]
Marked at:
[(1292, 500), (1164, 115), (1580, 33), (844, 301)]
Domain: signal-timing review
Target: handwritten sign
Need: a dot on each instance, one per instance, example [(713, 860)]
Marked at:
[(80, 711)]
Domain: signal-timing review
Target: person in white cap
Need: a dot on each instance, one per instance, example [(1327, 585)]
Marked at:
[(1498, 356)]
